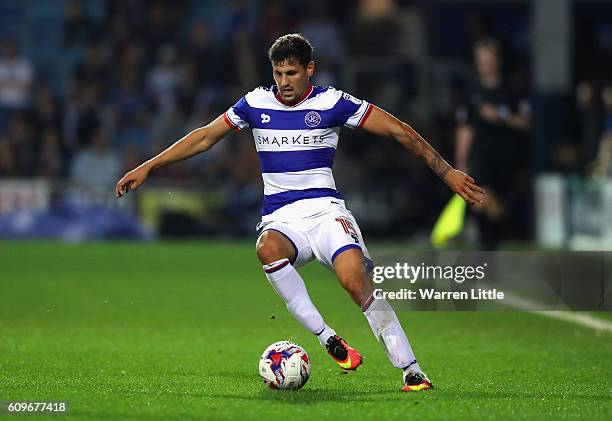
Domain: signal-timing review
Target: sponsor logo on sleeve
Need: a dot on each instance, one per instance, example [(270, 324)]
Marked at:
[(351, 98)]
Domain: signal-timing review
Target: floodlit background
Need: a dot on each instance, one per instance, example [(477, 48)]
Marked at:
[(144, 327), (89, 89)]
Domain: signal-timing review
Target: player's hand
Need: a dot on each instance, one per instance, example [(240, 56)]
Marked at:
[(131, 180), (464, 186), (489, 112)]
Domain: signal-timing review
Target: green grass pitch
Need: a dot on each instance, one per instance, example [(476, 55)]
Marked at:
[(175, 330)]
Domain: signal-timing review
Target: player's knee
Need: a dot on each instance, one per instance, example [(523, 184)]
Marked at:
[(268, 250)]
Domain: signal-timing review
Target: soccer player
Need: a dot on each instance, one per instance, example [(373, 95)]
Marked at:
[(295, 127)]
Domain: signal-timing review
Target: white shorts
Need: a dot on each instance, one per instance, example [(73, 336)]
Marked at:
[(323, 236)]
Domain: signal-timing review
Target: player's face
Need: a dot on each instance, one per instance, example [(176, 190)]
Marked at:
[(292, 79)]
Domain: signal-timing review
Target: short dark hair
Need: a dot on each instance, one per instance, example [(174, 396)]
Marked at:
[(291, 47)]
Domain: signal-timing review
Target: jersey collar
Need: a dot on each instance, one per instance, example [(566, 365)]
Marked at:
[(303, 98)]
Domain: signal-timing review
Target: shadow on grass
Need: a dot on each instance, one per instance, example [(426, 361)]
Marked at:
[(309, 396), (230, 385)]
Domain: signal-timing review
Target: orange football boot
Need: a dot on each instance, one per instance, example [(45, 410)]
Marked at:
[(413, 382), (346, 357)]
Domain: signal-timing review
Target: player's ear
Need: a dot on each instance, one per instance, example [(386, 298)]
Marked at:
[(310, 68)]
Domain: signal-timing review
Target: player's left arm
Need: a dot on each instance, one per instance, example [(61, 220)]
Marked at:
[(521, 119), (384, 124), (504, 116)]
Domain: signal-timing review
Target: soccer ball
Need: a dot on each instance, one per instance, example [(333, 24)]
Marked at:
[(284, 365)]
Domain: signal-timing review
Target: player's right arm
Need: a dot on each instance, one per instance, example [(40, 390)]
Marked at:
[(198, 141)]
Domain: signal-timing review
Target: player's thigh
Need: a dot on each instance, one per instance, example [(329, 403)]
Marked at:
[(336, 234), (278, 241)]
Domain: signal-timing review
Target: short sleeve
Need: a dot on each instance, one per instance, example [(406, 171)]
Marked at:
[(352, 112), (237, 116), (524, 108), (466, 113)]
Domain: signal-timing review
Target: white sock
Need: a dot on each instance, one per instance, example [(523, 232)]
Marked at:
[(324, 335), (387, 329), (412, 368), (290, 286)]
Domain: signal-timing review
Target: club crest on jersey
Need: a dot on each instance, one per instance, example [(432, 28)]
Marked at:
[(312, 119)]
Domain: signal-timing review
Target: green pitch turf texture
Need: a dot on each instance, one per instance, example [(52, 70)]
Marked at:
[(175, 330)]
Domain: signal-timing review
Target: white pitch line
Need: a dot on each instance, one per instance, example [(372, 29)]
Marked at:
[(582, 319)]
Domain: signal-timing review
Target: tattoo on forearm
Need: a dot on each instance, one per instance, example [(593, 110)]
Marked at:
[(417, 145), (438, 164)]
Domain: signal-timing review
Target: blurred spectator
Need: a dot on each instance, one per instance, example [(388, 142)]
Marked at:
[(22, 139), (129, 57), (603, 161), (96, 164), (51, 156), (163, 80), (131, 112), (161, 26), (374, 30), (77, 25), (244, 60), (275, 21), (47, 120), (16, 76), (234, 55), (325, 36), (490, 144), (245, 189), (373, 38), (377, 9), (88, 118), (233, 16), (119, 34), (92, 70), (169, 128), (200, 51), (589, 126), (7, 159), (47, 113)]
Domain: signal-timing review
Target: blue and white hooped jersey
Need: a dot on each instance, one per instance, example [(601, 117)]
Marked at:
[(296, 144)]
